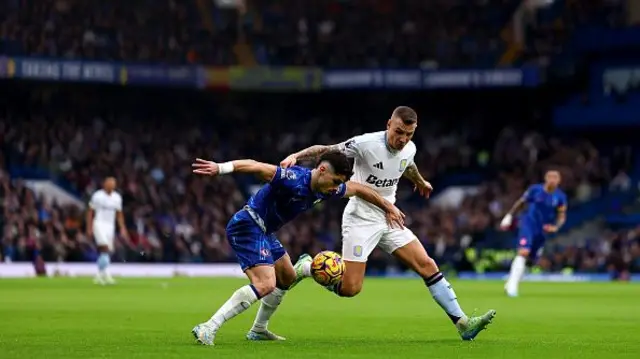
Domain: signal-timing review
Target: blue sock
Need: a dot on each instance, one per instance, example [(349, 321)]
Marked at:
[(445, 296), (103, 261)]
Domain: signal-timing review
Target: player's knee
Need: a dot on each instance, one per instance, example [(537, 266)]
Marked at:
[(350, 289), (264, 288), (263, 282)]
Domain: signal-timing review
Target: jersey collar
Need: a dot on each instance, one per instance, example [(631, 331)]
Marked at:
[(386, 144)]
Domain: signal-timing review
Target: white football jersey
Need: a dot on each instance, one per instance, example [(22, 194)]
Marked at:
[(376, 166), (105, 207)]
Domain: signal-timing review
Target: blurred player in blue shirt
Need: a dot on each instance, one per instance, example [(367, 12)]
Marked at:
[(251, 231), (545, 214)]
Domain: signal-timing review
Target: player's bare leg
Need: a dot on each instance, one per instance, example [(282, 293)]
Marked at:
[(263, 282), (104, 259), (518, 267), (352, 279), (415, 257), (285, 277)]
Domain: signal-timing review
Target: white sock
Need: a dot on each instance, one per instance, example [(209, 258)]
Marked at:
[(268, 306), (306, 269), (103, 264), (240, 301), (444, 295), (518, 267)]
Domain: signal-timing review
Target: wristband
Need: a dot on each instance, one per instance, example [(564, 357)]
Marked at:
[(224, 168)]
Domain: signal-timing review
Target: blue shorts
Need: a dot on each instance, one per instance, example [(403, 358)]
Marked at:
[(251, 245), (532, 238)]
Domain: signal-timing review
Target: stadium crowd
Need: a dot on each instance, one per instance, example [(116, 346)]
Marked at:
[(353, 33), (148, 139), (359, 33), (284, 32)]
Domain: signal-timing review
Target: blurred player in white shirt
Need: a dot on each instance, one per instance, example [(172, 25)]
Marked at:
[(105, 208), (381, 159)]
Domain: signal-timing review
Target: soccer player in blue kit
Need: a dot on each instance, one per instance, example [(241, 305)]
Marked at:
[(545, 214), (251, 231)]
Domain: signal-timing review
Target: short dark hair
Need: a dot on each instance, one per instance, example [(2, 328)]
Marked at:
[(406, 114), (339, 162)]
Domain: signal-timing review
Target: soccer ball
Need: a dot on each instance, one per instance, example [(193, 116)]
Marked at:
[(327, 268)]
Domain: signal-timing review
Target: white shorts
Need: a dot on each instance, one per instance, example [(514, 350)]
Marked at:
[(361, 236), (104, 235)]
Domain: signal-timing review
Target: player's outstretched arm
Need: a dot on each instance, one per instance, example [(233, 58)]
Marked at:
[(517, 206), (261, 170), (413, 174), (395, 217)]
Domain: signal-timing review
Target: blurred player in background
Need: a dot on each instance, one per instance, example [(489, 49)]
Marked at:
[(380, 160), (251, 231), (105, 207), (545, 214)]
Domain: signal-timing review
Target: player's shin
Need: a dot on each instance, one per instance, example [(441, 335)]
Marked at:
[(444, 295), (240, 301), (103, 263), (268, 306)]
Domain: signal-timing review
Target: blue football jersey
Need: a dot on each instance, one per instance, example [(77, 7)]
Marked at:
[(543, 207), (286, 196)]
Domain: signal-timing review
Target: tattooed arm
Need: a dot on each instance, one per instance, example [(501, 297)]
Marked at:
[(315, 151), (421, 185), (413, 175), (349, 148)]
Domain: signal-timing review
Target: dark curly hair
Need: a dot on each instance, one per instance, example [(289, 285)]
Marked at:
[(339, 162)]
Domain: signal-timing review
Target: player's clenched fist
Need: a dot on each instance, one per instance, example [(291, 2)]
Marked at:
[(204, 167), (289, 161)]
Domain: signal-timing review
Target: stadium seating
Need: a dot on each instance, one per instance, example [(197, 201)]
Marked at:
[(74, 136), (147, 140)]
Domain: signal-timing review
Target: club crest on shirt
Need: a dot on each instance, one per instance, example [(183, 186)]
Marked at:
[(403, 165), (288, 174)]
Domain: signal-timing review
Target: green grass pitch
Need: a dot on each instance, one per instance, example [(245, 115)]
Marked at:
[(393, 318)]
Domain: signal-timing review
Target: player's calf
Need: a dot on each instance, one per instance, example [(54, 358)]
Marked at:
[(104, 259), (351, 283), (263, 282), (285, 279), (415, 257), (518, 267)]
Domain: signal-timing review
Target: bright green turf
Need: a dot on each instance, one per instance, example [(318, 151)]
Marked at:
[(145, 318)]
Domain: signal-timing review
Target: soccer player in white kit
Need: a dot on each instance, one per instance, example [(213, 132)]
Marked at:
[(105, 207), (380, 160)]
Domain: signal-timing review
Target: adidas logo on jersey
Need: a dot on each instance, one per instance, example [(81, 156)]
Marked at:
[(382, 182), (379, 166)]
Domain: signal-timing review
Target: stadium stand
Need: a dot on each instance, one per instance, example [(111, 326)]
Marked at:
[(496, 142), (78, 135)]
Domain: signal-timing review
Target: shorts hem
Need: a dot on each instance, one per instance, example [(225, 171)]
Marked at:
[(245, 268), (395, 248), (357, 260)]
